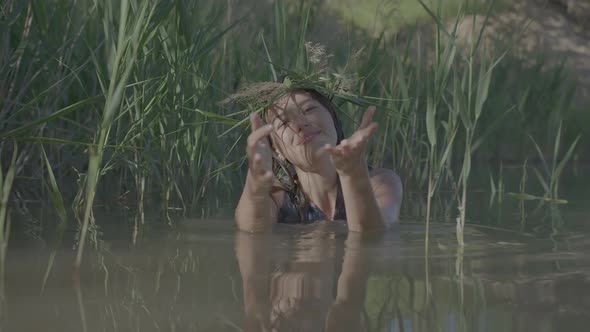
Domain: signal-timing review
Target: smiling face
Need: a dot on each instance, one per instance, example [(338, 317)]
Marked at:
[(302, 124)]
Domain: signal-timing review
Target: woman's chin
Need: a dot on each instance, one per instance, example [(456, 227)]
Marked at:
[(314, 155), (314, 164)]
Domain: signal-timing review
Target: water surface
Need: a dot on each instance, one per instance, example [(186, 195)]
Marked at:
[(205, 276), (526, 267)]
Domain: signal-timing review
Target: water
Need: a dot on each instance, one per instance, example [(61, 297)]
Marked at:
[(206, 277), (525, 268)]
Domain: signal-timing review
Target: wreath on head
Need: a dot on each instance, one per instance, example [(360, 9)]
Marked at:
[(257, 96)]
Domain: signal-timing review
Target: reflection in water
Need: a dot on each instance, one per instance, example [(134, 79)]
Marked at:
[(319, 278), (299, 295)]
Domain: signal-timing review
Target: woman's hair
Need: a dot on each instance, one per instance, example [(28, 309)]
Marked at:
[(284, 170)]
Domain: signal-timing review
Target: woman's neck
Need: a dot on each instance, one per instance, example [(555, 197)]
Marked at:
[(321, 187)]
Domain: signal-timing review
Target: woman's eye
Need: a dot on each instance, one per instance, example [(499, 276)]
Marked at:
[(283, 123)]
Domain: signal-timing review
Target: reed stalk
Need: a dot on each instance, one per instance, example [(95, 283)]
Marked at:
[(6, 182), (129, 40)]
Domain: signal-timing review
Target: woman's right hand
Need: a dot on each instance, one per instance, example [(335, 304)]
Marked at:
[(259, 156)]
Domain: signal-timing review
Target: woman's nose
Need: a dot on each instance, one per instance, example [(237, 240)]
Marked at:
[(302, 122), (301, 126)]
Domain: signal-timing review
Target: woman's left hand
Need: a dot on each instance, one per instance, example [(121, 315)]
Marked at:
[(349, 155)]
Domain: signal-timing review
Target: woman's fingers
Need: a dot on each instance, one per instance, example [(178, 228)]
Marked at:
[(268, 176), (367, 117), (369, 130), (258, 148), (255, 121), (323, 150), (259, 170), (335, 151), (259, 153), (258, 135), (348, 156), (345, 146), (366, 129), (257, 163), (355, 142), (362, 135)]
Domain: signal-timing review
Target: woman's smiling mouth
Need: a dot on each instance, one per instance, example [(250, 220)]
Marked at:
[(308, 137)]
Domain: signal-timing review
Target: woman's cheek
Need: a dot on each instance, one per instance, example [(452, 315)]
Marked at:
[(288, 142), (325, 123)]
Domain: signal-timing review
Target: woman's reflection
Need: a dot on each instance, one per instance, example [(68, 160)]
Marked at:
[(300, 296)]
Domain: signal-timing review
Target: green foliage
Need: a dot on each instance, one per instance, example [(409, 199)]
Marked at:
[(139, 83)]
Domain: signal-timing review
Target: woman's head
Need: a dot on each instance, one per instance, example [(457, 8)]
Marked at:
[(304, 120)]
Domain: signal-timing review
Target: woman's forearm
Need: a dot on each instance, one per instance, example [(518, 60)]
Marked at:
[(362, 210), (256, 211)]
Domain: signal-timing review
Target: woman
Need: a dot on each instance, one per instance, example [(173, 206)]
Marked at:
[(331, 179)]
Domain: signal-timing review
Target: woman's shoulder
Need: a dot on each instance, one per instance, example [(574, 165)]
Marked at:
[(385, 176), (382, 173)]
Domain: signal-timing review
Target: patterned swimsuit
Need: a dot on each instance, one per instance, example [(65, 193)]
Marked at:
[(290, 214)]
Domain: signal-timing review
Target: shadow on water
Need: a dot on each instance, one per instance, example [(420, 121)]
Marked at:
[(206, 277)]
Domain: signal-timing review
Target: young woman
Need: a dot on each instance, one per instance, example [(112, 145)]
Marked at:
[(318, 174)]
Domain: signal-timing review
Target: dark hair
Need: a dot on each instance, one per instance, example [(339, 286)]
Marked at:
[(284, 169)]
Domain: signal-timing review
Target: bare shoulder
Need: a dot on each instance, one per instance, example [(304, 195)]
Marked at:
[(379, 171), (384, 177), (387, 187)]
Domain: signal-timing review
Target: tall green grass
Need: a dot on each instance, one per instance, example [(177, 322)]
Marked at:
[(124, 95), (6, 182)]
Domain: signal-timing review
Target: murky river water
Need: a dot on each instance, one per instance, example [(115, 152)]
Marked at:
[(534, 275), (207, 277)]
